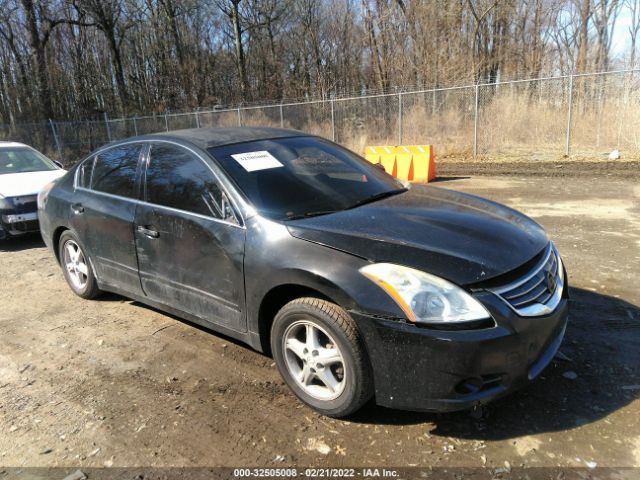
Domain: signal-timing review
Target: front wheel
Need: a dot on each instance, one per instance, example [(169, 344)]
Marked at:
[(321, 356)]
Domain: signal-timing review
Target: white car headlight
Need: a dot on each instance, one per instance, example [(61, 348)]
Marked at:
[(4, 203), (423, 297)]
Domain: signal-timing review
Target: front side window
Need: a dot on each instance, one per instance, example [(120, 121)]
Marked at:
[(114, 171), (297, 177), (177, 179), (23, 160)]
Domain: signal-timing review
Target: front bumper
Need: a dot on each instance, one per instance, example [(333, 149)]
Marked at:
[(17, 224), (18, 215), (422, 369)]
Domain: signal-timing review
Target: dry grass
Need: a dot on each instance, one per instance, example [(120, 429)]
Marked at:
[(516, 122)]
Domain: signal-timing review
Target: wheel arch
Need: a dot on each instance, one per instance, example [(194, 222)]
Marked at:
[(55, 241), (303, 285)]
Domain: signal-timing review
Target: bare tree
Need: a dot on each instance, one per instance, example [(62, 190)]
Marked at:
[(77, 58), (605, 16), (583, 38), (634, 29), (231, 9)]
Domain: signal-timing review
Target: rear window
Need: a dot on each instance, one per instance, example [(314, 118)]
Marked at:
[(115, 169)]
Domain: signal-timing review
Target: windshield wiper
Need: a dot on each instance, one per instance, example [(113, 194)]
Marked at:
[(372, 198), (309, 214), (377, 196)]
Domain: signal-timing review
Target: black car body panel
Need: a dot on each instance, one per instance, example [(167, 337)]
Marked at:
[(460, 237), (105, 227), (422, 369), (205, 277), (225, 275)]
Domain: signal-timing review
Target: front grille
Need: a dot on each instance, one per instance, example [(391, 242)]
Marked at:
[(539, 290), (24, 227)]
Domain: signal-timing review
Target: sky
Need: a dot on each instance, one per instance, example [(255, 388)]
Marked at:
[(621, 39)]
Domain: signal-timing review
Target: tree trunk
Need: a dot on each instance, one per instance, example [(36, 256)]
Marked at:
[(237, 33), (38, 61), (585, 14)]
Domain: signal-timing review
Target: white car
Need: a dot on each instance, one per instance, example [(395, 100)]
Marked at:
[(23, 173)]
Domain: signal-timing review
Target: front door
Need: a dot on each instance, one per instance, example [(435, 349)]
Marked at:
[(189, 241)]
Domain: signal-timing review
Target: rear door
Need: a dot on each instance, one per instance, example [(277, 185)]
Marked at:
[(103, 212), (189, 238)]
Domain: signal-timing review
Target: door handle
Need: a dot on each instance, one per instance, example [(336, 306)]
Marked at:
[(77, 208), (148, 232)]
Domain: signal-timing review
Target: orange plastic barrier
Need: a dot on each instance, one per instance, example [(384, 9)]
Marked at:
[(371, 154), (424, 166), (414, 163)]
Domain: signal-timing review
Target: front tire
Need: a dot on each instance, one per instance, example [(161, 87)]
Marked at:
[(76, 267), (321, 357)]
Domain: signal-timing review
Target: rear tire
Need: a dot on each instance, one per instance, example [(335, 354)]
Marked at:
[(321, 356), (77, 267)]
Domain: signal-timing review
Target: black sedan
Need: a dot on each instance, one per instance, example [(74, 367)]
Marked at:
[(358, 285)]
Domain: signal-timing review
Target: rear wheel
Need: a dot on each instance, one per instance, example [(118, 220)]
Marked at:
[(321, 357), (76, 267)]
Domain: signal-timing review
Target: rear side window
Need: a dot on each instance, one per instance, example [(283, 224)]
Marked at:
[(84, 173), (177, 179), (114, 171)]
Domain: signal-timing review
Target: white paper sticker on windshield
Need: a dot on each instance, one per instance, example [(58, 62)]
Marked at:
[(252, 161)]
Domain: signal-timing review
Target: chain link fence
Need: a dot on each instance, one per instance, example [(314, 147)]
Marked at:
[(586, 115)]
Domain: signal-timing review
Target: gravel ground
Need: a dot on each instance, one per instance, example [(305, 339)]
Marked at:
[(569, 168), (114, 383)]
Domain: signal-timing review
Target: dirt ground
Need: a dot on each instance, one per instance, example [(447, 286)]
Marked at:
[(114, 383)]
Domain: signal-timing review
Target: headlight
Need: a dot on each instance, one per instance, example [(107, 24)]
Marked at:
[(4, 203), (423, 297)]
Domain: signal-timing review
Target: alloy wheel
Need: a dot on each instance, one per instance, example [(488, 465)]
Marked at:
[(76, 264), (314, 360)]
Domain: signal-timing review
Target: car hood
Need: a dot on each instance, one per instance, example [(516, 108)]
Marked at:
[(459, 237), (28, 183)]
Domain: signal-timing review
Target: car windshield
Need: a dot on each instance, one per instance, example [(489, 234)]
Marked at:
[(22, 160), (299, 177)]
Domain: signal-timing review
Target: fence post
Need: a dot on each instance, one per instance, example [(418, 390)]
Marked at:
[(567, 149), (281, 116), (135, 126), (475, 122), (333, 122), (55, 138), (106, 124), (239, 118), (399, 118), (166, 122), (197, 119)]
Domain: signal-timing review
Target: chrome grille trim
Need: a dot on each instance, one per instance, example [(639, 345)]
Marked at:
[(536, 299)]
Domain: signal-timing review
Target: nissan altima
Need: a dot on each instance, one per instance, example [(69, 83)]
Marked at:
[(360, 286)]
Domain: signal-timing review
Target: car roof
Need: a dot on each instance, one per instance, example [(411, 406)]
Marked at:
[(215, 137), (4, 144)]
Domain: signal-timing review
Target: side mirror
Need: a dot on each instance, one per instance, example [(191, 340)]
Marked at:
[(58, 163)]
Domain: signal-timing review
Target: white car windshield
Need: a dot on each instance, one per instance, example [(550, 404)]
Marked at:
[(22, 160)]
